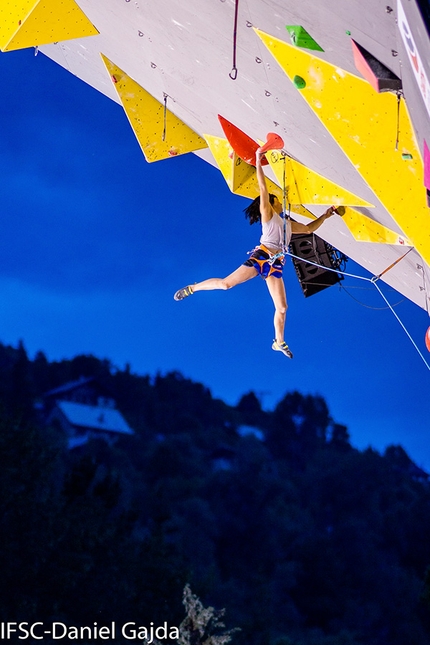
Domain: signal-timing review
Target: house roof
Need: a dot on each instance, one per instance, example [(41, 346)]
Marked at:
[(246, 431), (71, 385), (95, 417)]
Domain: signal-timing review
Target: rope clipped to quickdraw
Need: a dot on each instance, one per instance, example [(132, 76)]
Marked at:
[(233, 73), (164, 116), (373, 281), (284, 204), (376, 277), (398, 121), (281, 254)]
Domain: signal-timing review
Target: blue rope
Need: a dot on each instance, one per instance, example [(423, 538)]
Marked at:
[(373, 281), (320, 266), (284, 208), (402, 325)]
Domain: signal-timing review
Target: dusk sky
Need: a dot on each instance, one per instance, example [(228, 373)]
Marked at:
[(95, 241)]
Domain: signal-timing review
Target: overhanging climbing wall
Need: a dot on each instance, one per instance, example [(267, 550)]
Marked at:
[(373, 129), (179, 65)]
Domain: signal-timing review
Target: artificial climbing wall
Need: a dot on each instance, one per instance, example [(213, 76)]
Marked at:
[(264, 65)]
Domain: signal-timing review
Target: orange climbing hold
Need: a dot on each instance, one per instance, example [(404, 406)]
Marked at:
[(273, 142), (427, 339)]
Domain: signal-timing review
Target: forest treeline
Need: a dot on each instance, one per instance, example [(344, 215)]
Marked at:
[(303, 539)]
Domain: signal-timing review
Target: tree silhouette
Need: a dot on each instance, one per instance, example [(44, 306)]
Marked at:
[(201, 626)]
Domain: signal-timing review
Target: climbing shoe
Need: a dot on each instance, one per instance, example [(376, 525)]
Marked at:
[(183, 293), (282, 347)]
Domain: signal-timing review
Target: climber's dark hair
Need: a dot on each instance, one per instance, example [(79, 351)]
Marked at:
[(252, 212)]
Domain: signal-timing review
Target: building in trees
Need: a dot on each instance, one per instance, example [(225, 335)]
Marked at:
[(83, 410)]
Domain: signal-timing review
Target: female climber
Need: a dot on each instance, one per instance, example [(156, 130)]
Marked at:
[(267, 259)]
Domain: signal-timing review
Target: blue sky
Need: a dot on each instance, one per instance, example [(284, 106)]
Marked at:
[(95, 241)]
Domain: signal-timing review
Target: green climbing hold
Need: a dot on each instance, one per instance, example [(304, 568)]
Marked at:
[(348, 33), (300, 38), (406, 155), (299, 82)]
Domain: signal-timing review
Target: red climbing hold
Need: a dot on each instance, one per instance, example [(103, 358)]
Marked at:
[(245, 147), (376, 73), (242, 144), (273, 142), (427, 338)]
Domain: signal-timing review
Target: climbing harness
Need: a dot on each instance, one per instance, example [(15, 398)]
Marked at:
[(372, 280), (277, 256)]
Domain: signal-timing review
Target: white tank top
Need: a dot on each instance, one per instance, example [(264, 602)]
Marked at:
[(273, 233)]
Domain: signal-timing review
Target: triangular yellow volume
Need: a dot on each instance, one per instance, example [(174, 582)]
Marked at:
[(304, 186), (240, 176), (365, 229), (366, 125), (159, 132), (28, 23)]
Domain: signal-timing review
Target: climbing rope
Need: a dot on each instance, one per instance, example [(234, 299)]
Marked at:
[(320, 266), (233, 73), (424, 287), (372, 281), (284, 204), (360, 302), (403, 327)]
